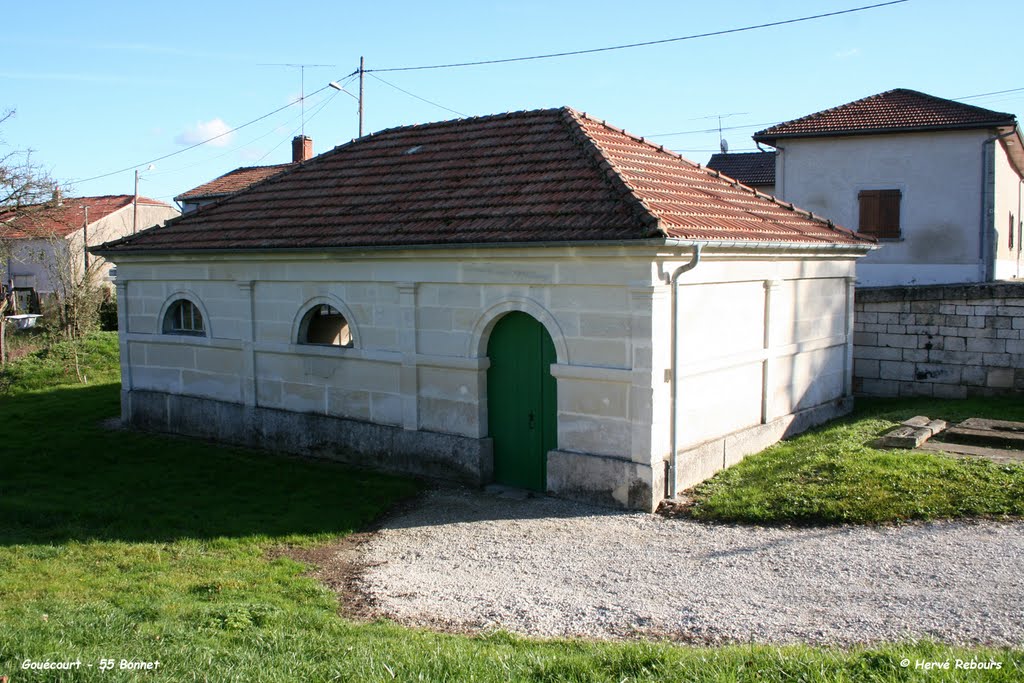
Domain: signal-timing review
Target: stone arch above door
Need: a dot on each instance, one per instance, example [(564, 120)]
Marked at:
[(477, 347)]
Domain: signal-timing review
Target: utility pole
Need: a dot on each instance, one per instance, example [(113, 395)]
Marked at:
[(85, 236), (135, 204), (337, 86), (361, 71)]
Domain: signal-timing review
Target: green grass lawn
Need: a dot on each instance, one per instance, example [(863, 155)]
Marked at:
[(831, 475), (119, 545), (94, 360)]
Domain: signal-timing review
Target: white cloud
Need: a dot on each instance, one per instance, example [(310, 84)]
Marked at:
[(847, 54), (204, 130)]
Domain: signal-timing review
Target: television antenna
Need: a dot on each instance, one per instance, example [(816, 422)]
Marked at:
[(302, 84)]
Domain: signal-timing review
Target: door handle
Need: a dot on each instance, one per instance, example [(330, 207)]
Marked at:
[(531, 419)]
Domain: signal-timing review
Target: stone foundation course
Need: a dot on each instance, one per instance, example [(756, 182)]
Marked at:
[(946, 341)]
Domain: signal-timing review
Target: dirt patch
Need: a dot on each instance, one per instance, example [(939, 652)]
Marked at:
[(340, 564)]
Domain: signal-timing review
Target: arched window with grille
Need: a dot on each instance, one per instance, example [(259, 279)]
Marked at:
[(184, 317)]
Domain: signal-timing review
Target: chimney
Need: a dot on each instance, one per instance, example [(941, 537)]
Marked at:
[(302, 148), (58, 196)]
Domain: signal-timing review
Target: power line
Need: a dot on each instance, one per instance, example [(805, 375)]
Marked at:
[(738, 149), (198, 144), (227, 152), (319, 109), (986, 94), (711, 130), (643, 44), (422, 99), (301, 99)]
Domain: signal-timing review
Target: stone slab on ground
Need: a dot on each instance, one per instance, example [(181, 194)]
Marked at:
[(911, 433), (977, 431), (1000, 455), (903, 437)]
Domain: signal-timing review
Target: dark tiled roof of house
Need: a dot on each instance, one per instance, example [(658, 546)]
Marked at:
[(231, 182), (893, 111), (44, 220), (535, 176), (750, 168)]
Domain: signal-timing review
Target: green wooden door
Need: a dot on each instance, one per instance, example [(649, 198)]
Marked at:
[(521, 413)]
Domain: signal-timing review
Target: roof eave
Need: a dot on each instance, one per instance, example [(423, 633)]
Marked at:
[(1014, 147), (671, 242), (770, 139), (200, 197)]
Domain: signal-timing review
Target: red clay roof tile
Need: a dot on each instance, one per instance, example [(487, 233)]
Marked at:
[(750, 168), (535, 176), (893, 111), (43, 220), (231, 182)]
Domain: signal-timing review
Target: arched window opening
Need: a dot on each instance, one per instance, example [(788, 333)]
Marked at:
[(183, 317), (324, 324)]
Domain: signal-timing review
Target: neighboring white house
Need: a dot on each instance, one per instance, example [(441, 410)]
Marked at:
[(241, 178), (74, 222), (938, 182), (492, 299)]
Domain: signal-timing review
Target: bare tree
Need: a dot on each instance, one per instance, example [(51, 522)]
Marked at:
[(76, 294), (26, 189)]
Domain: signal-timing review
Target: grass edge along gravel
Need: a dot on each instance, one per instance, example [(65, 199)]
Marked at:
[(118, 545)]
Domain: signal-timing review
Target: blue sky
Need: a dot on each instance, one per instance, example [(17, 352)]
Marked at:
[(103, 86)]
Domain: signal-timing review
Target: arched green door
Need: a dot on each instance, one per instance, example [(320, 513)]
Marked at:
[(521, 412)]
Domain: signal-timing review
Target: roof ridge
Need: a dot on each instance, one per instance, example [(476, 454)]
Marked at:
[(463, 119), (707, 171), (823, 112), (935, 99), (946, 100), (809, 215), (608, 168), (249, 168)]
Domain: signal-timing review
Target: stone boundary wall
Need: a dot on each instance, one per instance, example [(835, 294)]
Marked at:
[(947, 341)]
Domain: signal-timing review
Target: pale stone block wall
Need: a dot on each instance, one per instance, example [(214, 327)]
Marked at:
[(948, 341), (419, 360), (765, 351), (763, 339)]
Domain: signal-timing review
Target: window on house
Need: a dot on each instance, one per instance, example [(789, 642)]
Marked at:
[(1012, 226), (324, 324), (183, 317), (880, 213)]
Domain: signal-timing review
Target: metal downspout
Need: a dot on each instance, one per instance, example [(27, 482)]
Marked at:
[(780, 171), (674, 400)]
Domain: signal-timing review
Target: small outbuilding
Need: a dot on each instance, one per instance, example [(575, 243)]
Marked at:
[(537, 299)]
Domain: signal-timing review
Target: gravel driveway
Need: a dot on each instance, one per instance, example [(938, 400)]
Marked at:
[(468, 560)]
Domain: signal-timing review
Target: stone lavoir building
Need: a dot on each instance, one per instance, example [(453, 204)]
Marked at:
[(492, 299)]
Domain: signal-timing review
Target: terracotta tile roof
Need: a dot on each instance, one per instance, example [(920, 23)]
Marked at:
[(547, 175), (231, 182), (750, 168), (893, 111), (43, 220)]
